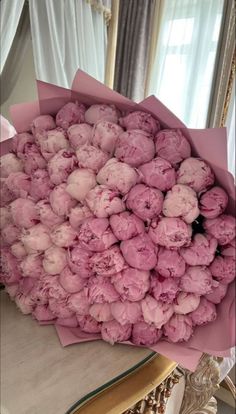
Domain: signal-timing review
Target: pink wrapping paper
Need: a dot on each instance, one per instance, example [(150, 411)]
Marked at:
[(215, 338)]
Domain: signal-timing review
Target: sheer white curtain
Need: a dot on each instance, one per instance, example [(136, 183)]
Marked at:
[(230, 125), (67, 35), (185, 56), (10, 13)]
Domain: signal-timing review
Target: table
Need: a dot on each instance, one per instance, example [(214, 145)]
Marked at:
[(39, 376)]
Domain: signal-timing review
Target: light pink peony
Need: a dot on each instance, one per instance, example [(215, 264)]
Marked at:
[(205, 313), (10, 272), (195, 173), (12, 290), (80, 182), (71, 282), (140, 120), (101, 290), (145, 334), (54, 260), (135, 147), (104, 202), (105, 135), (40, 186), (186, 303), (197, 279), (201, 250), (10, 234), (5, 216), (61, 201), (181, 201), (117, 176), (9, 163), (164, 289), (79, 134), (144, 201), (222, 228), (18, 184), (61, 166), (33, 159), (71, 113), (78, 215), (172, 146), (156, 312), (6, 196), (24, 213), (108, 262), (36, 238), (213, 202), (79, 303), (223, 269), (41, 123), (56, 290), (42, 313), (179, 328), (170, 263), (91, 157), (19, 141), (101, 312), (18, 250), (88, 324), (113, 331), (78, 260), (132, 284), (64, 235), (60, 308), (217, 294), (229, 250), (96, 235), (126, 225), (32, 266), (47, 215), (170, 232), (26, 284), (158, 173), (126, 312), (53, 141), (99, 112), (24, 303), (139, 252)]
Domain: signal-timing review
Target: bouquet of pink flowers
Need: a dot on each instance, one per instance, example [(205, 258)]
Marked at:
[(115, 220)]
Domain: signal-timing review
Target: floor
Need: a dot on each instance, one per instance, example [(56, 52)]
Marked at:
[(224, 408)]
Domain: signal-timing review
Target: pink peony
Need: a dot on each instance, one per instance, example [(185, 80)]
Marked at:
[(101, 312), (131, 284), (195, 173), (36, 238), (42, 313), (126, 312), (79, 134), (80, 182), (32, 266), (9, 163), (144, 201), (158, 173), (78, 260), (78, 215), (108, 262), (88, 324), (40, 186), (24, 213), (222, 228), (6, 196), (186, 303), (117, 176), (229, 250), (104, 202), (55, 289), (201, 250), (170, 263), (33, 159), (61, 166), (113, 331), (140, 120), (53, 141), (217, 294), (54, 260), (179, 328), (47, 215), (18, 250), (41, 123), (96, 235), (5, 216), (135, 147), (18, 184), (181, 201), (105, 135), (61, 202), (10, 272), (79, 303), (164, 289), (170, 232), (223, 269), (10, 234), (101, 112), (91, 157), (172, 146), (156, 312), (205, 313), (126, 225), (145, 334), (139, 252), (197, 279), (24, 303), (213, 202), (64, 235), (60, 308), (71, 282), (101, 290), (19, 141), (12, 290), (71, 113)]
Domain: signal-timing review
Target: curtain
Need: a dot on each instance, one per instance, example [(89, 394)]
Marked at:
[(185, 57), (230, 125), (67, 35), (134, 33), (10, 13)]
